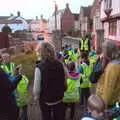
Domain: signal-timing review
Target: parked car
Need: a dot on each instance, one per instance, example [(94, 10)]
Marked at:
[(40, 37)]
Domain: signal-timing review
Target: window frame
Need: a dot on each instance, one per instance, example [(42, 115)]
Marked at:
[(113, 27)]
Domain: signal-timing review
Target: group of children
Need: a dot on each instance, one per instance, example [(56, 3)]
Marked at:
[(79, 86), (20, 95)]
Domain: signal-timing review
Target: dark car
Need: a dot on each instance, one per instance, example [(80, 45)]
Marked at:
[(40, 37)]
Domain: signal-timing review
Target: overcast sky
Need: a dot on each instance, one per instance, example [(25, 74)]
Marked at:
[(32, 8)]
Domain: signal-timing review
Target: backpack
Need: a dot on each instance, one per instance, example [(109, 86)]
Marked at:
[(97, 71)]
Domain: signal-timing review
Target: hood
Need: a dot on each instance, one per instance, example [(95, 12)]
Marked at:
[(75, 75)]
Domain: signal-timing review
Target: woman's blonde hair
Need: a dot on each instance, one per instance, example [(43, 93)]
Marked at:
[(47, 50), (95, 102), (111, 50)]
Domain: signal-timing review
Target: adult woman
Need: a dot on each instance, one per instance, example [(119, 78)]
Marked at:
[(49, 83), (8, 110), (108, 86)]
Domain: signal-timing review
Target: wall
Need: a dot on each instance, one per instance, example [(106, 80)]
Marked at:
[(4, 41), (71, 41)]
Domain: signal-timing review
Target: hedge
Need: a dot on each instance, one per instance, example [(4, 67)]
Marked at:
[(28, 63)]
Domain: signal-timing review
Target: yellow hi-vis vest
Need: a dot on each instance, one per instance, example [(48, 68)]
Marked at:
[(84, 44), (92, 60), (22, 92), (11, 70), (76, 56), (87, 69), (72, 92)]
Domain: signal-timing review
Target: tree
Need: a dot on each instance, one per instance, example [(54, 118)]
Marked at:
[(6, 29)]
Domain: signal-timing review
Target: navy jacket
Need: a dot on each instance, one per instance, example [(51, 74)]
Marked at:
[(8, 109)]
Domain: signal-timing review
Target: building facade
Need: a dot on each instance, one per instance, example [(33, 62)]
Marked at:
[(85, 20), (97, 28), (14, 22), (76, 22), (64, 20), (110, 17)]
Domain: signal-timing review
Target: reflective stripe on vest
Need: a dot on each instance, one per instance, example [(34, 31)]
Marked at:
[(84, 44), (85, 76), (7, 70), (22, 92), (72, 92)]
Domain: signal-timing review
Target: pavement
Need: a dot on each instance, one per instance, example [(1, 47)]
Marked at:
[(34, 112)]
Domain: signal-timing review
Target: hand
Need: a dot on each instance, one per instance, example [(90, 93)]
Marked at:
[(20, 71)]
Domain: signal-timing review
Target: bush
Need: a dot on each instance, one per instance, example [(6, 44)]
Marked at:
[(6, 29), (28, 63)]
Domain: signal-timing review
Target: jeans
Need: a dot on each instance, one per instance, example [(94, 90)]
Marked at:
[(72, 110), (23, 114), (52, 112), (84, 95)]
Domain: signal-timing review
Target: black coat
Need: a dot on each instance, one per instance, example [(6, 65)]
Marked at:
[(53, 81), (8, 109)]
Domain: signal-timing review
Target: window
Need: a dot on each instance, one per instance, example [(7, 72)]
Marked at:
[(113, 28), (108, 4)]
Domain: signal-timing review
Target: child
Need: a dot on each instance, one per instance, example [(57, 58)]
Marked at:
[(96, 108), (113, 111), (72, 93), (85, 69), (22, 96)]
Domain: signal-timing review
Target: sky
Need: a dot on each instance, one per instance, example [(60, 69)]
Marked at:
[(31, 8)]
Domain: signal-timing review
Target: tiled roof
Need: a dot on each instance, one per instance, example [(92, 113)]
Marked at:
[(4, 17), (29, 21), (10, 21), (76, 16), (14, 18)]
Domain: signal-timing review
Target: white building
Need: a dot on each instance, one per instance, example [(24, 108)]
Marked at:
[(51, 21), (38, 25), (34, 26), (14, 22)]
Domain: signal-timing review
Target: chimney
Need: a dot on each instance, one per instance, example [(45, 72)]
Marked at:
[(18, 13), (41, 17), (67, 5), (36, 17), (11, 14)]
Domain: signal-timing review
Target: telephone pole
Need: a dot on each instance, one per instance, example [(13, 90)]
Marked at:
[(55, 33)]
